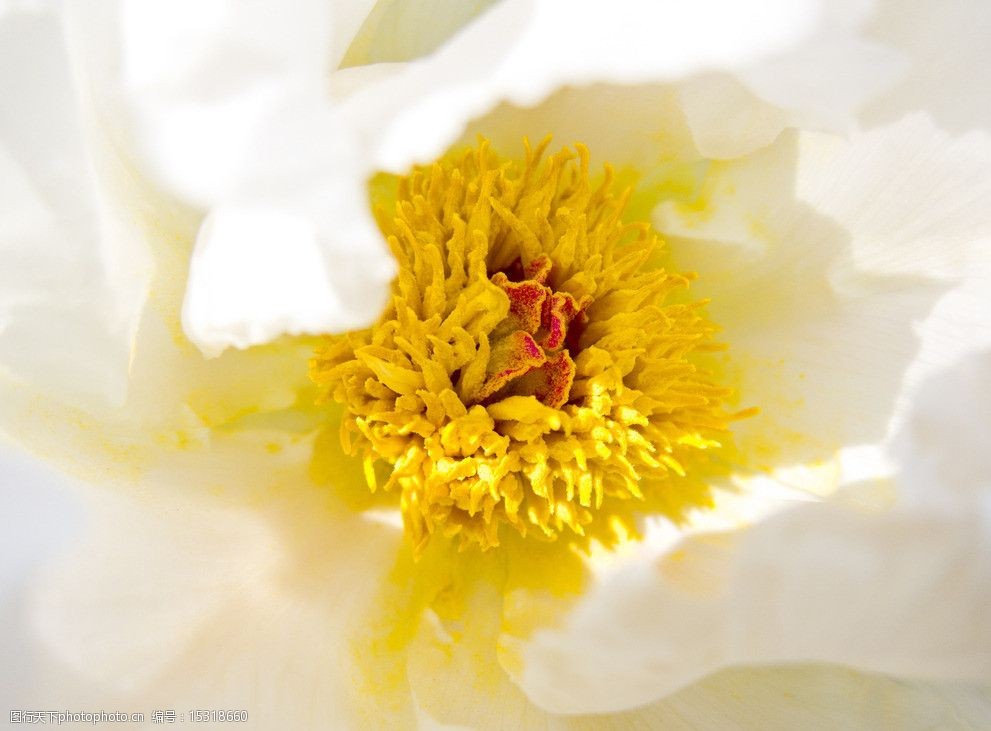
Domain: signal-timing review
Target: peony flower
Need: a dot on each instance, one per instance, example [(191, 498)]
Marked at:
[(705, 456)]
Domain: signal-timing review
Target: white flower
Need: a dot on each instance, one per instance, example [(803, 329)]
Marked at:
[(184, 184)]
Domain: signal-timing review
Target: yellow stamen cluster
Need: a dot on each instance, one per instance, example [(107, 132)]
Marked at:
[(527, 370)]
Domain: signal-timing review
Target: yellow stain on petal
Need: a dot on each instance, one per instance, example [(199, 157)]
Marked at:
[(447, 617), (531, 373)]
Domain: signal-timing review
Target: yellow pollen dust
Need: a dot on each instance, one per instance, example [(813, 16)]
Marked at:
[(528, 370)]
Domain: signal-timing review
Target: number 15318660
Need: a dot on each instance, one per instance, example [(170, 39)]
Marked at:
[(200, 716)]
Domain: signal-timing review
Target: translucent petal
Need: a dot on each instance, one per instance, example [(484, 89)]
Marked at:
[(820, 83), (224, 105), (71, 291), (821, 256), (901, 590), (230, 587), (945, 43), (521, 52)]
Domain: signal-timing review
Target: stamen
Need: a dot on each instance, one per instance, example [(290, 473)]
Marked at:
[(529, 369)]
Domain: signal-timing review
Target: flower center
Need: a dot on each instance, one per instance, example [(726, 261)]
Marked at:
[(529, 369)]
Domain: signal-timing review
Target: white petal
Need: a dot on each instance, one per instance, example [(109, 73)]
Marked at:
[(42, 515), (71, 292), (439, 662), (800, 64), (256, 274), (214, 570), (820, 83), (789, 697), (726, 119), (946, 43), (208, 599), (826, 79), (903, 591), (821, 257), (402, 30), (638, 128), (206, 83), (796, 696), (348, 21), (805, 697), (522, 51), (224, 105)]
